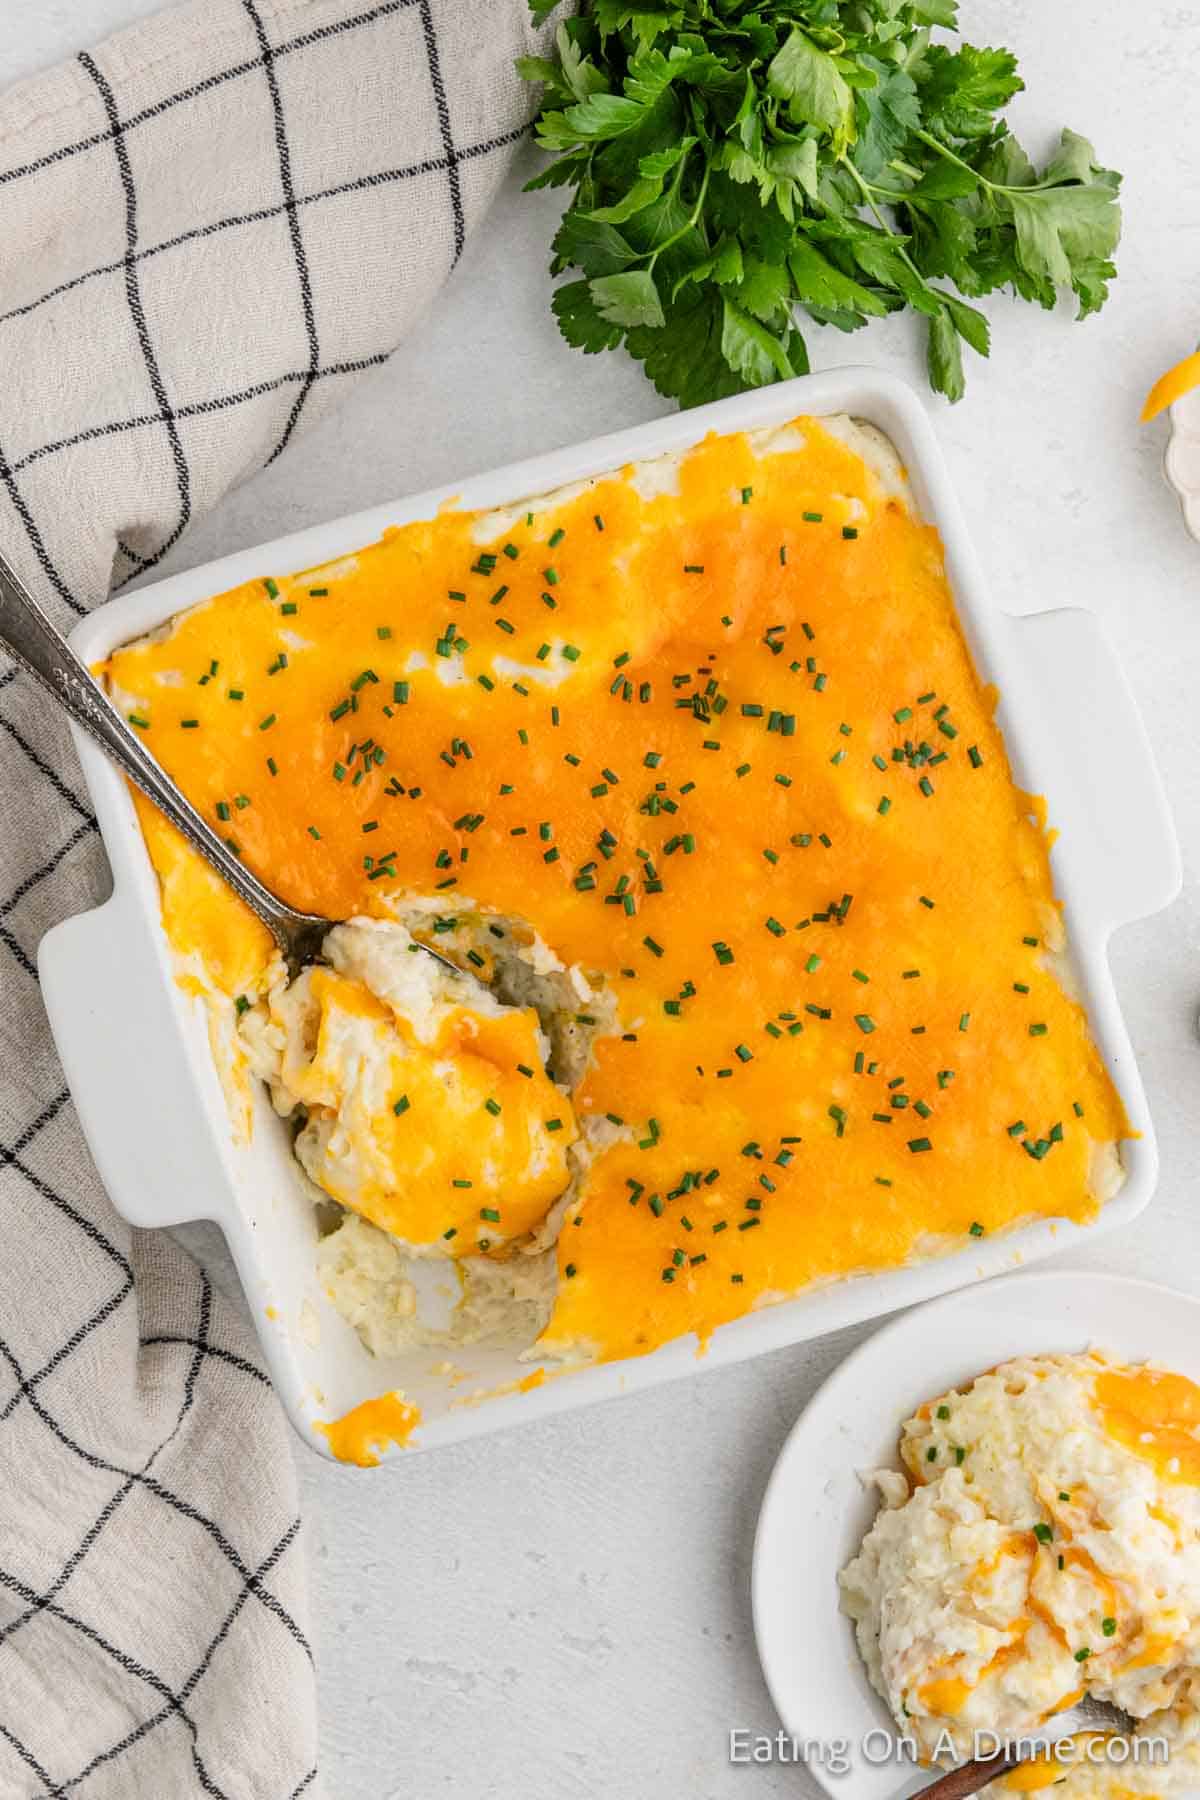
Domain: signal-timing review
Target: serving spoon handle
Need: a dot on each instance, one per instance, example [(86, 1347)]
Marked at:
[(43, 652), (968, 1778)]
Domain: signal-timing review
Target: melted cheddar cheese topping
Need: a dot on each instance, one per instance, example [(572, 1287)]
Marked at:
[(717, 738), (360, 1434)]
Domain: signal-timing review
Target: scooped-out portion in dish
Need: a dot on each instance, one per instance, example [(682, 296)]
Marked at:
[(434, 1108), (688, 765), (425, 1102), (1042, 1544)]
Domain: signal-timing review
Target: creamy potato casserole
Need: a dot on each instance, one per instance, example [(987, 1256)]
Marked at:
[(689, 772), (1042, 1543)]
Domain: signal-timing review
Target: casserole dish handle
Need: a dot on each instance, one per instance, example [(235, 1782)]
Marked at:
[(1077, 721), (116, 1027)]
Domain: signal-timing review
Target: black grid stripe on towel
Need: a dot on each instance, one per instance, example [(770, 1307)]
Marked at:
[(211, 225)]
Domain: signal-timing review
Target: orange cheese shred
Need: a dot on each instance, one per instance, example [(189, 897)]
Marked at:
[(1156, 1414), (1178, 381), (361, 1433)]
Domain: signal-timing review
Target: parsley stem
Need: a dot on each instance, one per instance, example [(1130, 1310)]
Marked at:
[(868, 194), (993, 187), (691, 224)]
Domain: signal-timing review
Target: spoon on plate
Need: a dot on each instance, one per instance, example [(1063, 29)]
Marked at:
[(1087, 1714), (969, 1777), (44, 653)]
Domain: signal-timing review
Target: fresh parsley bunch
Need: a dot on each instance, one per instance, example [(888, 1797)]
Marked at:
[(736, 161)]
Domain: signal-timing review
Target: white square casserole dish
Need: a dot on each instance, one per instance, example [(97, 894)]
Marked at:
[(135, 1048)]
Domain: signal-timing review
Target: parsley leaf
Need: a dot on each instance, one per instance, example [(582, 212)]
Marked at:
[(685, 360), (580, 319), (945, 357), (818, 282), (887, 112), (750, 349), (737, 164), (963, 89), (629, 299), (809, 80)]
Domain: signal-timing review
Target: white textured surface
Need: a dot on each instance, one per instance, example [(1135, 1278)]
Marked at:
[(562, 1613)]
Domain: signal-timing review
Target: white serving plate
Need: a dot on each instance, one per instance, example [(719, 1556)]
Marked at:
[(816, 1509), (135, 1049)]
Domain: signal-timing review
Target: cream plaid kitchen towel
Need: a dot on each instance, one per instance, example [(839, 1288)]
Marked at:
[(209, 228)]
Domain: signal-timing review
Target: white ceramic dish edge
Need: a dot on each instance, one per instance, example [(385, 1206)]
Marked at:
[(1181, 458), (136, 1054)]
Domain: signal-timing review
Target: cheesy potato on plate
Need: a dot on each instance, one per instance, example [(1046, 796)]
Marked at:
[(1043, 1543)]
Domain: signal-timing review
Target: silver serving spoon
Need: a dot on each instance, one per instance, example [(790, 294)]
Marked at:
[(1087, 1714), (44, 653)]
